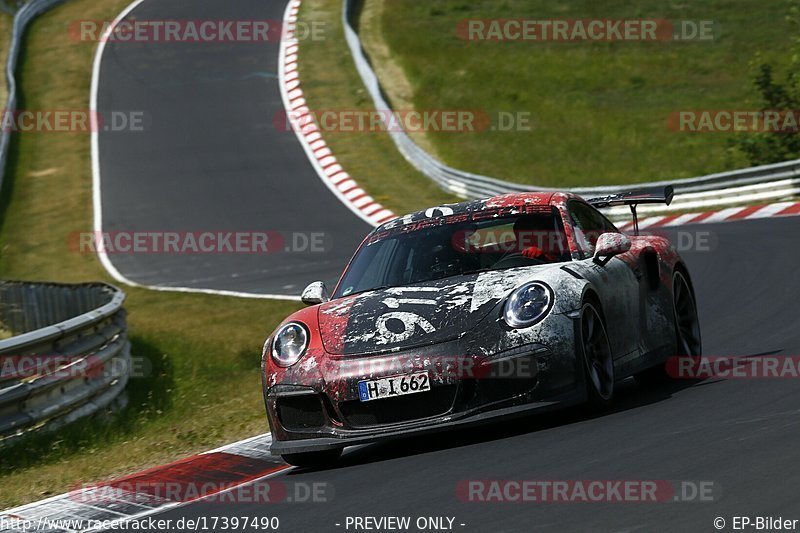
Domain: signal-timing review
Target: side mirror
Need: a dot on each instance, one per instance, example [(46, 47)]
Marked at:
[(316, 293), (610, 245)]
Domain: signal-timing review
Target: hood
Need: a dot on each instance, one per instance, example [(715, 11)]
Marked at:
[(401, 318)]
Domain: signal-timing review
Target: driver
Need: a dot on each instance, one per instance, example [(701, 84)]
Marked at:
[(533, 240)]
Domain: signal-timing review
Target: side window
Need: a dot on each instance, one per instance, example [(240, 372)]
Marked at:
[(589, 224)]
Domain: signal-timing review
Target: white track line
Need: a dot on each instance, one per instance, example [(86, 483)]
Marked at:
[(97, 205), (231, 448), (327, 177), (319, 155)]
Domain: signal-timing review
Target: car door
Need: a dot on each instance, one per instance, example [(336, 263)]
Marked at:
[(616, 282)]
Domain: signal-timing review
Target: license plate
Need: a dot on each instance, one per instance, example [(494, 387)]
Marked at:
[(375, 389)]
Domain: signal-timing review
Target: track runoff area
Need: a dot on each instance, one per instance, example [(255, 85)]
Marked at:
[(681, 455)]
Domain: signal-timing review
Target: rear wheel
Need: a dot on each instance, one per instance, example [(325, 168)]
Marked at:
[(687, 325), (313, 459), (597, 357)]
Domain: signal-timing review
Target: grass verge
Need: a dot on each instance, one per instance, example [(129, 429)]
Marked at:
[(5, 33), (203, 389), (599, 110), (203, 351), (331, 82)]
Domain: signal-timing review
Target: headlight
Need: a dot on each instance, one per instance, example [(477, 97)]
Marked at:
[(527, 305), (289, 344)]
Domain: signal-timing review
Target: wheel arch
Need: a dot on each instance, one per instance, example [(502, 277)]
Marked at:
[(591, 296)]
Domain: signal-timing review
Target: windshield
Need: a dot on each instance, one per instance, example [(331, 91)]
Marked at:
[(405, 257)]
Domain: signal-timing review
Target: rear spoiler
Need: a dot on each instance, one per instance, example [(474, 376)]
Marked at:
[(658, 195)]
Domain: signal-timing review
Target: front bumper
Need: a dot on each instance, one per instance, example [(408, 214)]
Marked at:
[(320, 410), (463, 420)]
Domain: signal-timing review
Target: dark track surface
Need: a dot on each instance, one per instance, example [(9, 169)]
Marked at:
[(211, 158), (741, 434)]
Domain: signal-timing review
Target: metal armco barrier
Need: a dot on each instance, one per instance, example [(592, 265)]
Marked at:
[(21, 20), (80, 327), (69, 356), (763, 183)]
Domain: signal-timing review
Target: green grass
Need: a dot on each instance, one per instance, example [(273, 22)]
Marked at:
[(330, 81), (5, 33), (599, 117), (204, 390), (599, 110)]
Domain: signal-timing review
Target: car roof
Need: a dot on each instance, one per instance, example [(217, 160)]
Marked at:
[(510, 202)]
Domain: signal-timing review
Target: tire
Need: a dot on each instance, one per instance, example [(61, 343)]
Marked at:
[(320, 459), (688, 341), (598, 361), (687, 325)]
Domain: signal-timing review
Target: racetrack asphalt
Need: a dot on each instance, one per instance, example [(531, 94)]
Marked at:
[(213, 158), (741, 434)]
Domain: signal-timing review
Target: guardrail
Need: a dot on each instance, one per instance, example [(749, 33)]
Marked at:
[(69, 356), (22, 18), (763, 183)]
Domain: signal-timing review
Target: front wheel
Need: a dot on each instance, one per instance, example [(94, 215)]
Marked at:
[(313, 459), (597, 357)]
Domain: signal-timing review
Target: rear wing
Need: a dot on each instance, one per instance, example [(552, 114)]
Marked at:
[(658, 195)]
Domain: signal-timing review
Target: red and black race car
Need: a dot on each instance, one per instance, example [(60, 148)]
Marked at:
[(472, 311)]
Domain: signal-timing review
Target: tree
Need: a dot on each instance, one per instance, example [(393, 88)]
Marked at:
[(777, 95)]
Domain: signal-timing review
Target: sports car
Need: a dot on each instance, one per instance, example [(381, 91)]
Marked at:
[(467, 312)]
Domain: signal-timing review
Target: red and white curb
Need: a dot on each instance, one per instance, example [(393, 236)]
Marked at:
[(731, 214), (322, 159), (222, 474)]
